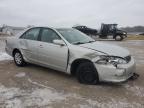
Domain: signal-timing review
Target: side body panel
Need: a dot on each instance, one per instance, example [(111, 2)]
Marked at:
[(29, 49), (52, 55)]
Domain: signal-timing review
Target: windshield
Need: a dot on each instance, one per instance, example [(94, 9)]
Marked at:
[(74, 36)]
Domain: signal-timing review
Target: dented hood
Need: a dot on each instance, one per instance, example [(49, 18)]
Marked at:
[(108, 49)]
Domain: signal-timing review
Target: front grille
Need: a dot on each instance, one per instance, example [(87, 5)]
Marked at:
[(128, 59)]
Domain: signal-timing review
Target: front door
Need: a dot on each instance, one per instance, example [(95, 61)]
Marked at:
[(50, 54)]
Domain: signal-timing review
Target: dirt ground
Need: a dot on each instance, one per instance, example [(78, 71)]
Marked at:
[(38, 87)]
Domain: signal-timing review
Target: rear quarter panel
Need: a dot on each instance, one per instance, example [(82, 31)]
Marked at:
[(11, 44)]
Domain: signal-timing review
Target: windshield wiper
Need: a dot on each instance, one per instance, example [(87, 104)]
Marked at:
[(77, 43), (90, 41)]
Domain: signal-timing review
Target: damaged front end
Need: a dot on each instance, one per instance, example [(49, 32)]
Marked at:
[(115, 69)]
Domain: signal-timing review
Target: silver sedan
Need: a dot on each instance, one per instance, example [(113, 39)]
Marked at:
[(72, 52)]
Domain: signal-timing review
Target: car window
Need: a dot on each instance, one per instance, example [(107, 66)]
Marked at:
[(31, 34), (74, 36), (48, 35)]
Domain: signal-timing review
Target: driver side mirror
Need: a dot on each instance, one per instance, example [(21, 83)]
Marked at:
[(59, 42)]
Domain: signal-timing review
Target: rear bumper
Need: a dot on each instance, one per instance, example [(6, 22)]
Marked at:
[(109, 73)]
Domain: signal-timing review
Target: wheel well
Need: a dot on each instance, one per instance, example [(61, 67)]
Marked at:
[(76, 63), (14, 51)]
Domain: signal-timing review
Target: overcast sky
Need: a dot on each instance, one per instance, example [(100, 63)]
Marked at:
[(66, 13)]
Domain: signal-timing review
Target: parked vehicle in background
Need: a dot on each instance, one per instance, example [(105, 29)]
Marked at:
[(86, 30), (72, 52), (112, 30), (105, 32)]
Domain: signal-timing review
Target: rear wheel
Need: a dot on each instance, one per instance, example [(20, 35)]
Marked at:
[(18, 59), (87, 74)]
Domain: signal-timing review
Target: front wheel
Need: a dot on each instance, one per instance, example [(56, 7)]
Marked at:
[(18, 59), (87, 74), (119, 38)]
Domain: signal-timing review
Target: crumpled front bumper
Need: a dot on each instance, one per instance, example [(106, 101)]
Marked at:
[(121, 73)]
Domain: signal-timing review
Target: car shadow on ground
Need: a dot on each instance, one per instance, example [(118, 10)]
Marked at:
[(50, 71)]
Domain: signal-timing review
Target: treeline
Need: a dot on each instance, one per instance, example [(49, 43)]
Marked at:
[(133, 29)]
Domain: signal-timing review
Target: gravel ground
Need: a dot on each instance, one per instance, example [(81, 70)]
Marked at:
[(38, 87)]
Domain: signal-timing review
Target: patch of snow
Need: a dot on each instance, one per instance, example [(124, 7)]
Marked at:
[(112, 103), (17, 98), (19, 75), (85, 106), (5, 56), (45, 96), (137, 90), (7, 97), (38, 84)]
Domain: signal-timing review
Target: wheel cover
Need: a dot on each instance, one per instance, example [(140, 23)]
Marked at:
[(88, 76), (18, 58)]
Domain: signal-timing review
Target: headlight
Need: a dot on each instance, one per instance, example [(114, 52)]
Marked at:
[(124, 33), (111, 60)]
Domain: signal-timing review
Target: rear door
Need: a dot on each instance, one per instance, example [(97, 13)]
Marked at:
[(29, 44), (50, 54)]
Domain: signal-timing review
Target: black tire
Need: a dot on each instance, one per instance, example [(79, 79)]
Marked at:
[(18, 59), (119, 38), (87, 74)]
